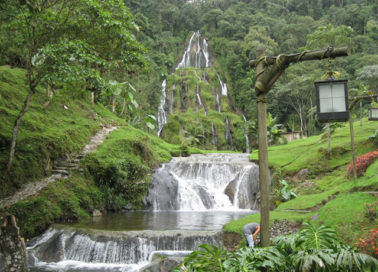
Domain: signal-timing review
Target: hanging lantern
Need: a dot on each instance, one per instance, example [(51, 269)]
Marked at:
[(332, 100), (373, 114)]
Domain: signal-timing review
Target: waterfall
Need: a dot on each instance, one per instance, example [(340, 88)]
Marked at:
[(214, 140), (218, 100), (228, 133), (223, 87), (196, 54), (199, 101), (60, 246), (198, 94), (162, 115), (247, 146), (205, 182)]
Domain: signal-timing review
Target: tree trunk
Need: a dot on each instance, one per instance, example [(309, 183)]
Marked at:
[(361, 113), (263, 159), (113, 103), (92, 99), (123, 107), (17, 125), (329, 139)]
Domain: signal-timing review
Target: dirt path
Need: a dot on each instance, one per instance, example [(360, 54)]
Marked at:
[(60, 171)]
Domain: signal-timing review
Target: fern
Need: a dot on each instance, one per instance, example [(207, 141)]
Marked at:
[(317, 237)]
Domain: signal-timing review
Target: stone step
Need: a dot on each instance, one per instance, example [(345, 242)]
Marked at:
[(67, 165), (78, 156), (60, 171)]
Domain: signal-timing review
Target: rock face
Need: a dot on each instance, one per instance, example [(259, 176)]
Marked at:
[(165, 261), (12, 247)]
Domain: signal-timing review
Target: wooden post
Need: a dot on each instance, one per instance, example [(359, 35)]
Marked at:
[(352, 146), (263, 158)]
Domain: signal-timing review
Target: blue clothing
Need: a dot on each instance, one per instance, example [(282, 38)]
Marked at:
[(248, 231), (249, 239)]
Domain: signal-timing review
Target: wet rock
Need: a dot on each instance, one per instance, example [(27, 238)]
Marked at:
[(302, 174), (96, 213), (161, 263), (128, 207), (12, 246)]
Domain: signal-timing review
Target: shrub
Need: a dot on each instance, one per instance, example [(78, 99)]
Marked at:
[(362, 163), (369, 244)]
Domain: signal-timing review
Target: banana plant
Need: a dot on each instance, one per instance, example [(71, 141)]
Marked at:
[(125, 91)]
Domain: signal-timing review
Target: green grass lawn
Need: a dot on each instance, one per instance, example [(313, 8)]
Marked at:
[(346, 211)]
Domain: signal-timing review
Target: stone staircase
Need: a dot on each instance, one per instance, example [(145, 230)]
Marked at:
[(66, 166), (61, 170)]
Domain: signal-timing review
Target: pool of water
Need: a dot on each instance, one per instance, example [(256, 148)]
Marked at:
[(164, 220)]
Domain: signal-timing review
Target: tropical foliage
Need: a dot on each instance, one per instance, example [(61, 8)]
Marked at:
[(312, 249)]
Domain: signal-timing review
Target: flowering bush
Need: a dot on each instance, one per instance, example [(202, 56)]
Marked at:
[(362, 163), (369, 245)]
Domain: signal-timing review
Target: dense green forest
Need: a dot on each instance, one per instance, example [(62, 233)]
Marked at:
[(236, 28), (152, 35)]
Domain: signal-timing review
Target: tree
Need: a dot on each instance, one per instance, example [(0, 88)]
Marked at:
[(329, 35), (58, 45)]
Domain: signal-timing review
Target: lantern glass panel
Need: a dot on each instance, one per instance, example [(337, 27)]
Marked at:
[(332, 98), (374, 113)]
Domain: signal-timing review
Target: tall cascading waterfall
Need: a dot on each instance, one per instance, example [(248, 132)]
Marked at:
[(205, 182), (162, 114), (196, 55), (247, 145), (223, 86), (61, 246), (198, 95)]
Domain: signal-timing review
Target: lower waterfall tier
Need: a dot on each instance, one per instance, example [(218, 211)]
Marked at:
[(62, 244)]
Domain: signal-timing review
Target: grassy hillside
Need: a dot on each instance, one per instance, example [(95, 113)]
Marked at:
[(51, 128), (326, 194)]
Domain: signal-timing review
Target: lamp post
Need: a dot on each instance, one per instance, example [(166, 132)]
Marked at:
[(268, 70)]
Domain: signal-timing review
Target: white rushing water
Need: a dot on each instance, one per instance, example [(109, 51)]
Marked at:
[(62, 248), (162, 115), (223, 86), (206, 182), (196, 54)]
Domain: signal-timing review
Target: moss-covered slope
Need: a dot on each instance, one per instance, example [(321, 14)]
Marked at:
[(199, 114), (50, 129)]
